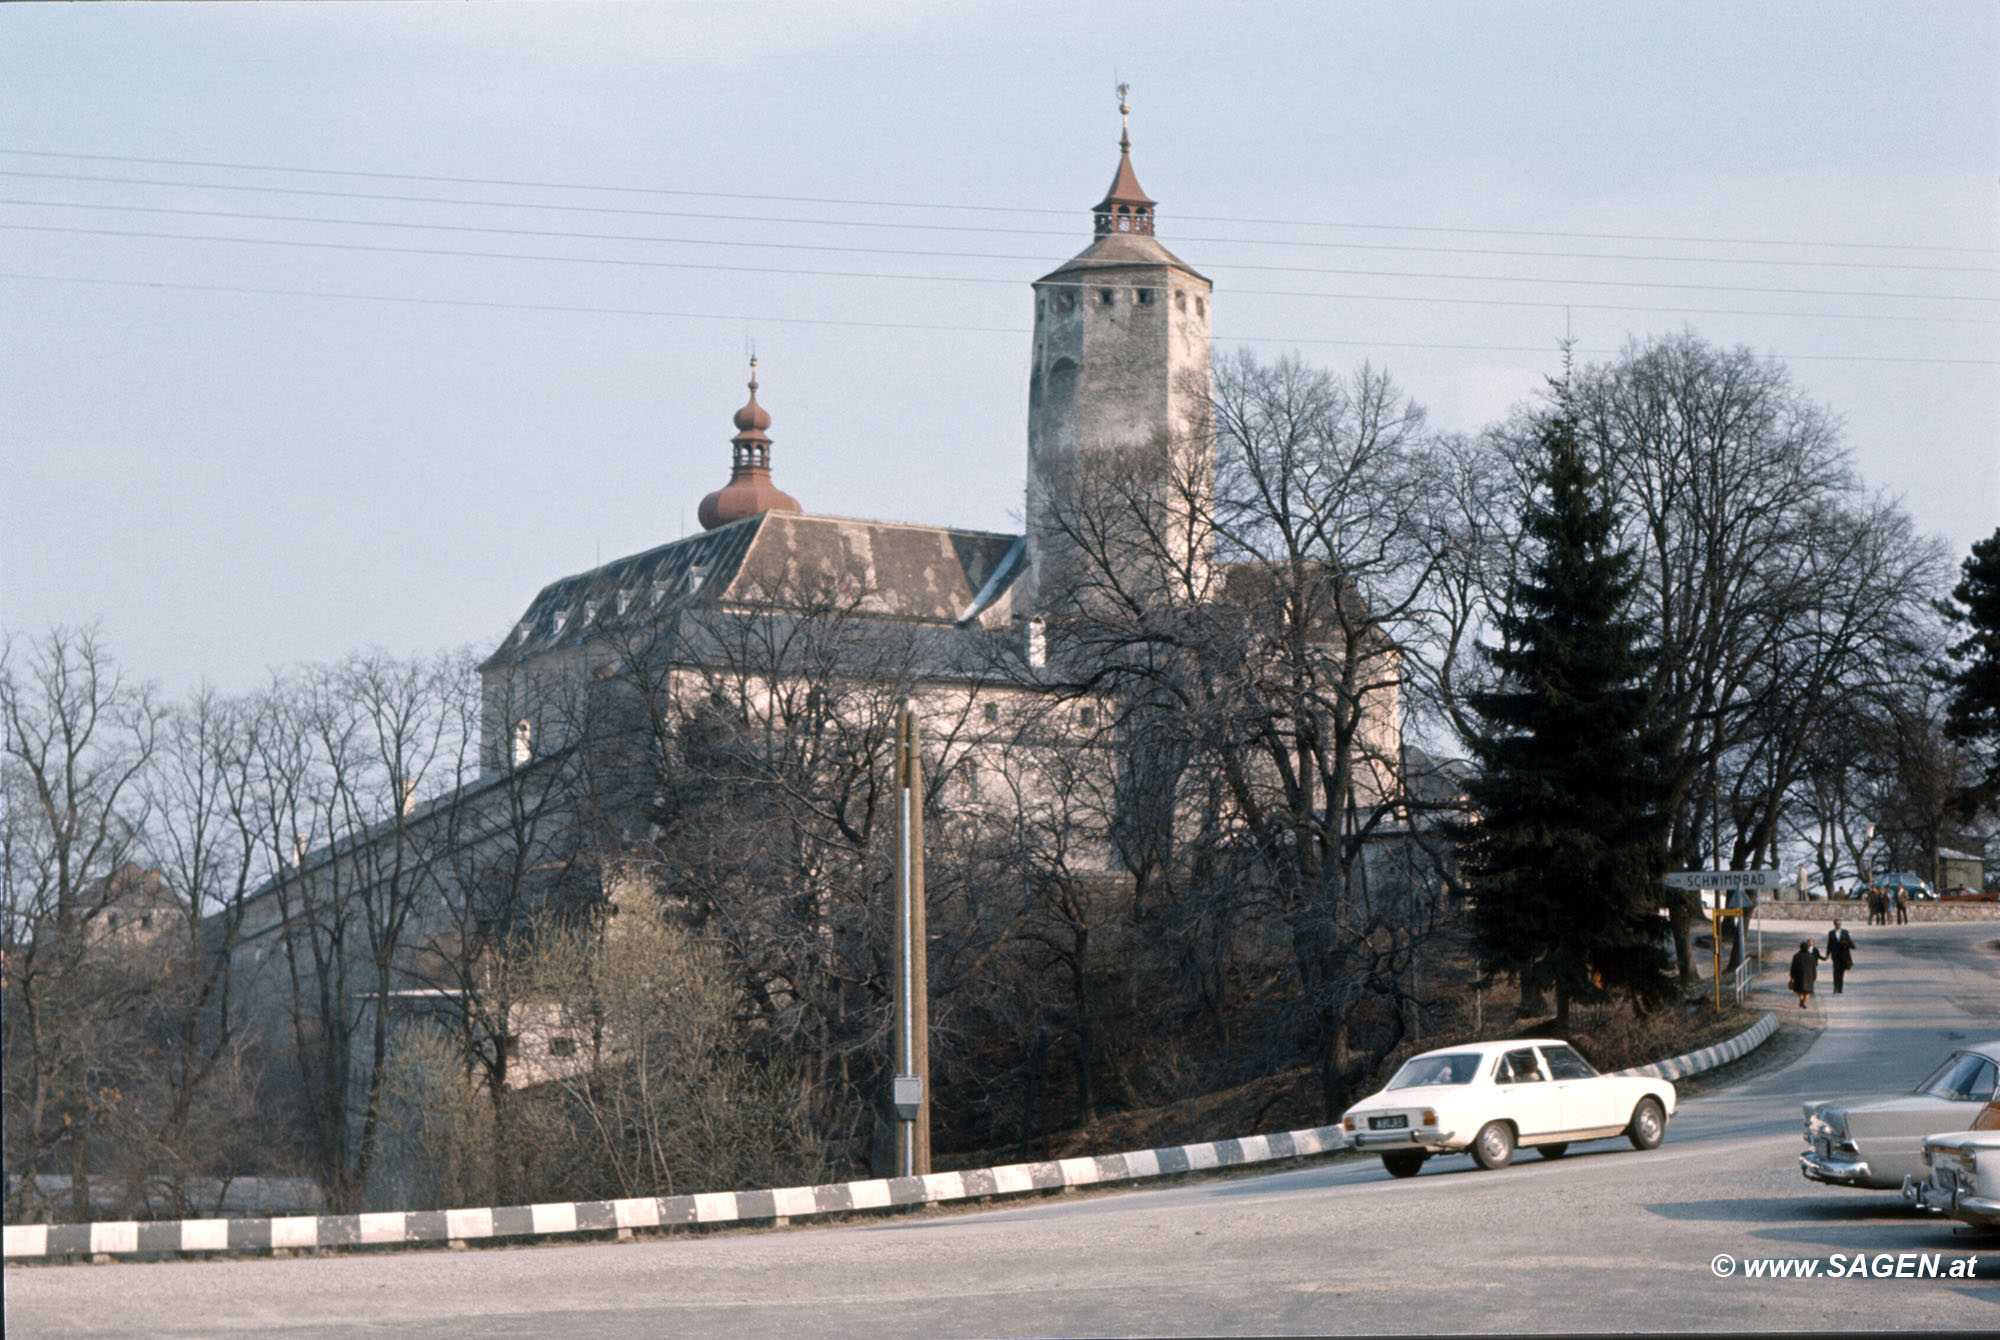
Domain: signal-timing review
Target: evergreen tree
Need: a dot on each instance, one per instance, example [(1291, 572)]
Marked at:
[(1565, 854), (1974, 714)]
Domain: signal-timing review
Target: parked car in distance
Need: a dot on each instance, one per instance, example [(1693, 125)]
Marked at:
[(1490, 1098), (1963, 1172), (1876, 1142), (1969, 896)]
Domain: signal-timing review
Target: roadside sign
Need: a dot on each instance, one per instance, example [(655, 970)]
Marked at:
[(1728, 879)]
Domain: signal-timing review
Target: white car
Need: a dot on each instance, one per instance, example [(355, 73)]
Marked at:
[(1962, 1173), (1491, 1098)]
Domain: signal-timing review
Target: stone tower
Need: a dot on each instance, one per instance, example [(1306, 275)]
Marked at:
[(1120, 376)]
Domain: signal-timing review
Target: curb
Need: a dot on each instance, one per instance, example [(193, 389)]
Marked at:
[(402, 1227), (1708, 1058), (596, 1216)]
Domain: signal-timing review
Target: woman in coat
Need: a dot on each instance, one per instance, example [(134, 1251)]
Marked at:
[(1805, 968)]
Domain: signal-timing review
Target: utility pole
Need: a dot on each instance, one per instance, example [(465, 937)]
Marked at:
[(910, 1093)]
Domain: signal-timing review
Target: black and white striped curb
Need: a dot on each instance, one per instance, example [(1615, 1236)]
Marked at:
[(1708, 1058), (294, 1232), (722, 1207)]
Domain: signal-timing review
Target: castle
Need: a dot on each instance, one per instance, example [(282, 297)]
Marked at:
[(1120, 370)]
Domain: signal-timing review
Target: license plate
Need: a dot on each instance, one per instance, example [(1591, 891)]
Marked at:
[(1388, 1123), (1824, 1149)]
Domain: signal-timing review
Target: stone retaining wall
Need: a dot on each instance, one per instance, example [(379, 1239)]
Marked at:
[(1854, 911)]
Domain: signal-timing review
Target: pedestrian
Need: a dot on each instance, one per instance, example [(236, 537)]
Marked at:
[(1805, 967), (1902, 908), (1840, 949), (1876, 915)]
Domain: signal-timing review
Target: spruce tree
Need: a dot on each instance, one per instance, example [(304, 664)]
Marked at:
[(1973, 717), (1569, 841)]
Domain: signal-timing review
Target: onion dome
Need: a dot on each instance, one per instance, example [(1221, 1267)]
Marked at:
[(749, 490), (1125, 208)]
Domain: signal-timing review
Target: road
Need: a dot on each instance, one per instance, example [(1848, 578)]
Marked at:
[(1606, 1239)]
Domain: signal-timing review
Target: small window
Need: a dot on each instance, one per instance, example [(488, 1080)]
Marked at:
[(524, 742), (1144, 296), (1088, 716), (1200, 307), (1180, 301), (992, 714), (146, 922), (1104, 298), (1068, 300), (562, 1046), (111, 921), (511, 1044)]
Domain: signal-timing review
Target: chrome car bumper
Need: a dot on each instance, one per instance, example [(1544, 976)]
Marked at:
[(1436, 1142), (1929, 1196), (1835, 1170)]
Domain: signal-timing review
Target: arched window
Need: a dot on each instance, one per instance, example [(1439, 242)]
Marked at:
[(524, 742)]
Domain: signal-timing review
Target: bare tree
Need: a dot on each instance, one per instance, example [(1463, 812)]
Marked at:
[(78, 742), (1740, 502)]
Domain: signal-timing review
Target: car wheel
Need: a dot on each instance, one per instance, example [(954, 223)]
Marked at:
[(1403, 1164), (1649, 1125), (1493, 1147), (1554, 1151)]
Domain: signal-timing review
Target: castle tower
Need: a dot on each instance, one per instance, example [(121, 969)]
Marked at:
[(1120, 376)]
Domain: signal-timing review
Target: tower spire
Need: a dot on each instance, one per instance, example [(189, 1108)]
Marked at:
[(1125, 207), (749, 490)]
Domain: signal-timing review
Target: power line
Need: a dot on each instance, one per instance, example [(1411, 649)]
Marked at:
[(519, 184), (652, 239), (644, 263), (631, 211), (1015, 331)]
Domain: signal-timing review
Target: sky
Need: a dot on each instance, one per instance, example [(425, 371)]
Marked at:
[(340, 326)]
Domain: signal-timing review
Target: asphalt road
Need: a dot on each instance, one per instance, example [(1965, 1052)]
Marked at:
[(1606, 1239)]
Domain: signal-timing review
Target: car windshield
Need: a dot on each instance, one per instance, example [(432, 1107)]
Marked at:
[(1964, 1077), (1456, 1068)]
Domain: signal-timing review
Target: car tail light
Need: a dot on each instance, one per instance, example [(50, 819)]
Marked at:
[(1430, 1117)]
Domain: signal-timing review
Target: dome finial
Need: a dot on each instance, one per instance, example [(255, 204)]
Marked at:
[(749, 490), (1124, 118)]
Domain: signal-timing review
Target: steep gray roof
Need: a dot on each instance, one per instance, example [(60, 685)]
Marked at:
[(918, 574)]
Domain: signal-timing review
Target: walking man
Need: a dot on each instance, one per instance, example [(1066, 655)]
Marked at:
[(1840, 949)]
